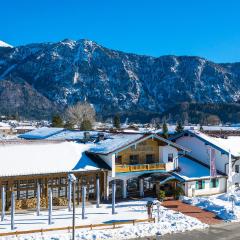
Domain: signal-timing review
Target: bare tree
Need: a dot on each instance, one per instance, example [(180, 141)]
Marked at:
[(82, 111)]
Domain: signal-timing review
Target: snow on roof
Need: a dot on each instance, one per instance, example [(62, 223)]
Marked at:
[(225, 144), (190, 169), (44, 158), (4, 125), (114, 142), (71, 135), (232, 143), (220, 128), (41, 133)]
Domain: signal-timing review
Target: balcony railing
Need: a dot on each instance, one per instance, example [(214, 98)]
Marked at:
[(140, 167)]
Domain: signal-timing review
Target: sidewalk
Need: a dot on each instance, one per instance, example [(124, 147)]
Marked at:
[(193, 211)]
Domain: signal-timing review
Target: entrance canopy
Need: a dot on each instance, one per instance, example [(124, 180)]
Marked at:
[(160, 177)]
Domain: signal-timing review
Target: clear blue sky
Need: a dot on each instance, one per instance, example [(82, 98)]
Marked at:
[(207, 28)]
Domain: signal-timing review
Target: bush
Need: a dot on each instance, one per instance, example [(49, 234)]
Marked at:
[(178, 192), (161, 195)]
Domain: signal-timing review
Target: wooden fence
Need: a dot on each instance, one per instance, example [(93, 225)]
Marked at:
[(69, 228)]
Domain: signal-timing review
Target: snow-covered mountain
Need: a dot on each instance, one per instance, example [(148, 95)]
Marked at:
[(4, 44), (66, 72)]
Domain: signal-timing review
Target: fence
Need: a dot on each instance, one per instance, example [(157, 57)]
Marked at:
[(69, 228)]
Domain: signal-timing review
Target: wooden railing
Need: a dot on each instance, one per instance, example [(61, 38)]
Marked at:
[(140, 167), (69, 228)]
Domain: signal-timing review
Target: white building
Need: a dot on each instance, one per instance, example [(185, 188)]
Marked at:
[(200, 145)]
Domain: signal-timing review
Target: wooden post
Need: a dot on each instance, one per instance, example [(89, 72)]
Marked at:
[(83, 201), (12, 210), (98, 191), (113, 196), (3, 194), (50, 207), (38, 199)]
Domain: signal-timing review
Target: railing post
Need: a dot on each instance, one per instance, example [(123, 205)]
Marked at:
[(3, 203)]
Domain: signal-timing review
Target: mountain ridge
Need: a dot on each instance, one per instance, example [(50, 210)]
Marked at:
[(113, 81)]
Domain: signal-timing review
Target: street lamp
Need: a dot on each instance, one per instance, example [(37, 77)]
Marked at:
[(72, 180)]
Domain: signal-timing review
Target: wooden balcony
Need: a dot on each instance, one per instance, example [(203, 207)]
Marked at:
[(140, 167)]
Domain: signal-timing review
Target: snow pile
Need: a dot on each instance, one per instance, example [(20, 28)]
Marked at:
[(221, 205), (170, 222)]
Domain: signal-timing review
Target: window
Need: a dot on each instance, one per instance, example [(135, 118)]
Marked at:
[(133, 159), (200, 184), (214, 183), (119, 160), (236, 168), (170, 157), (149, 158)]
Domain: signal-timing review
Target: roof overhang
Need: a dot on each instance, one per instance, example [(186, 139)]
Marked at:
[(145, 137)]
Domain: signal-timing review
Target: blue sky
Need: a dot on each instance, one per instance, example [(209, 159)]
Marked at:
[(207, 28)]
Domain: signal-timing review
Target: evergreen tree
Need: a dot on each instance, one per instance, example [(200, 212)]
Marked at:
[(86, 125), (57, 121), (116, 121), (179, 127), (164, 130), (69, 125), (201, 128)]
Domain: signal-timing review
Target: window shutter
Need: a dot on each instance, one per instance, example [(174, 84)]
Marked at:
[(203, 184), (196, 186)]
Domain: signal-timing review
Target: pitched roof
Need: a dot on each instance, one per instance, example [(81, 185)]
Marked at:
[(190, 169), (45, 158), (118, 142), (41, 133), (223, 145)]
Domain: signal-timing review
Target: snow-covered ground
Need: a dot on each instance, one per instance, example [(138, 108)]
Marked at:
[(220, 204), (170, 222)]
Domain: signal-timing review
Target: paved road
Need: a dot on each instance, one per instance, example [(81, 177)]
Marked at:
[(224, 231)]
